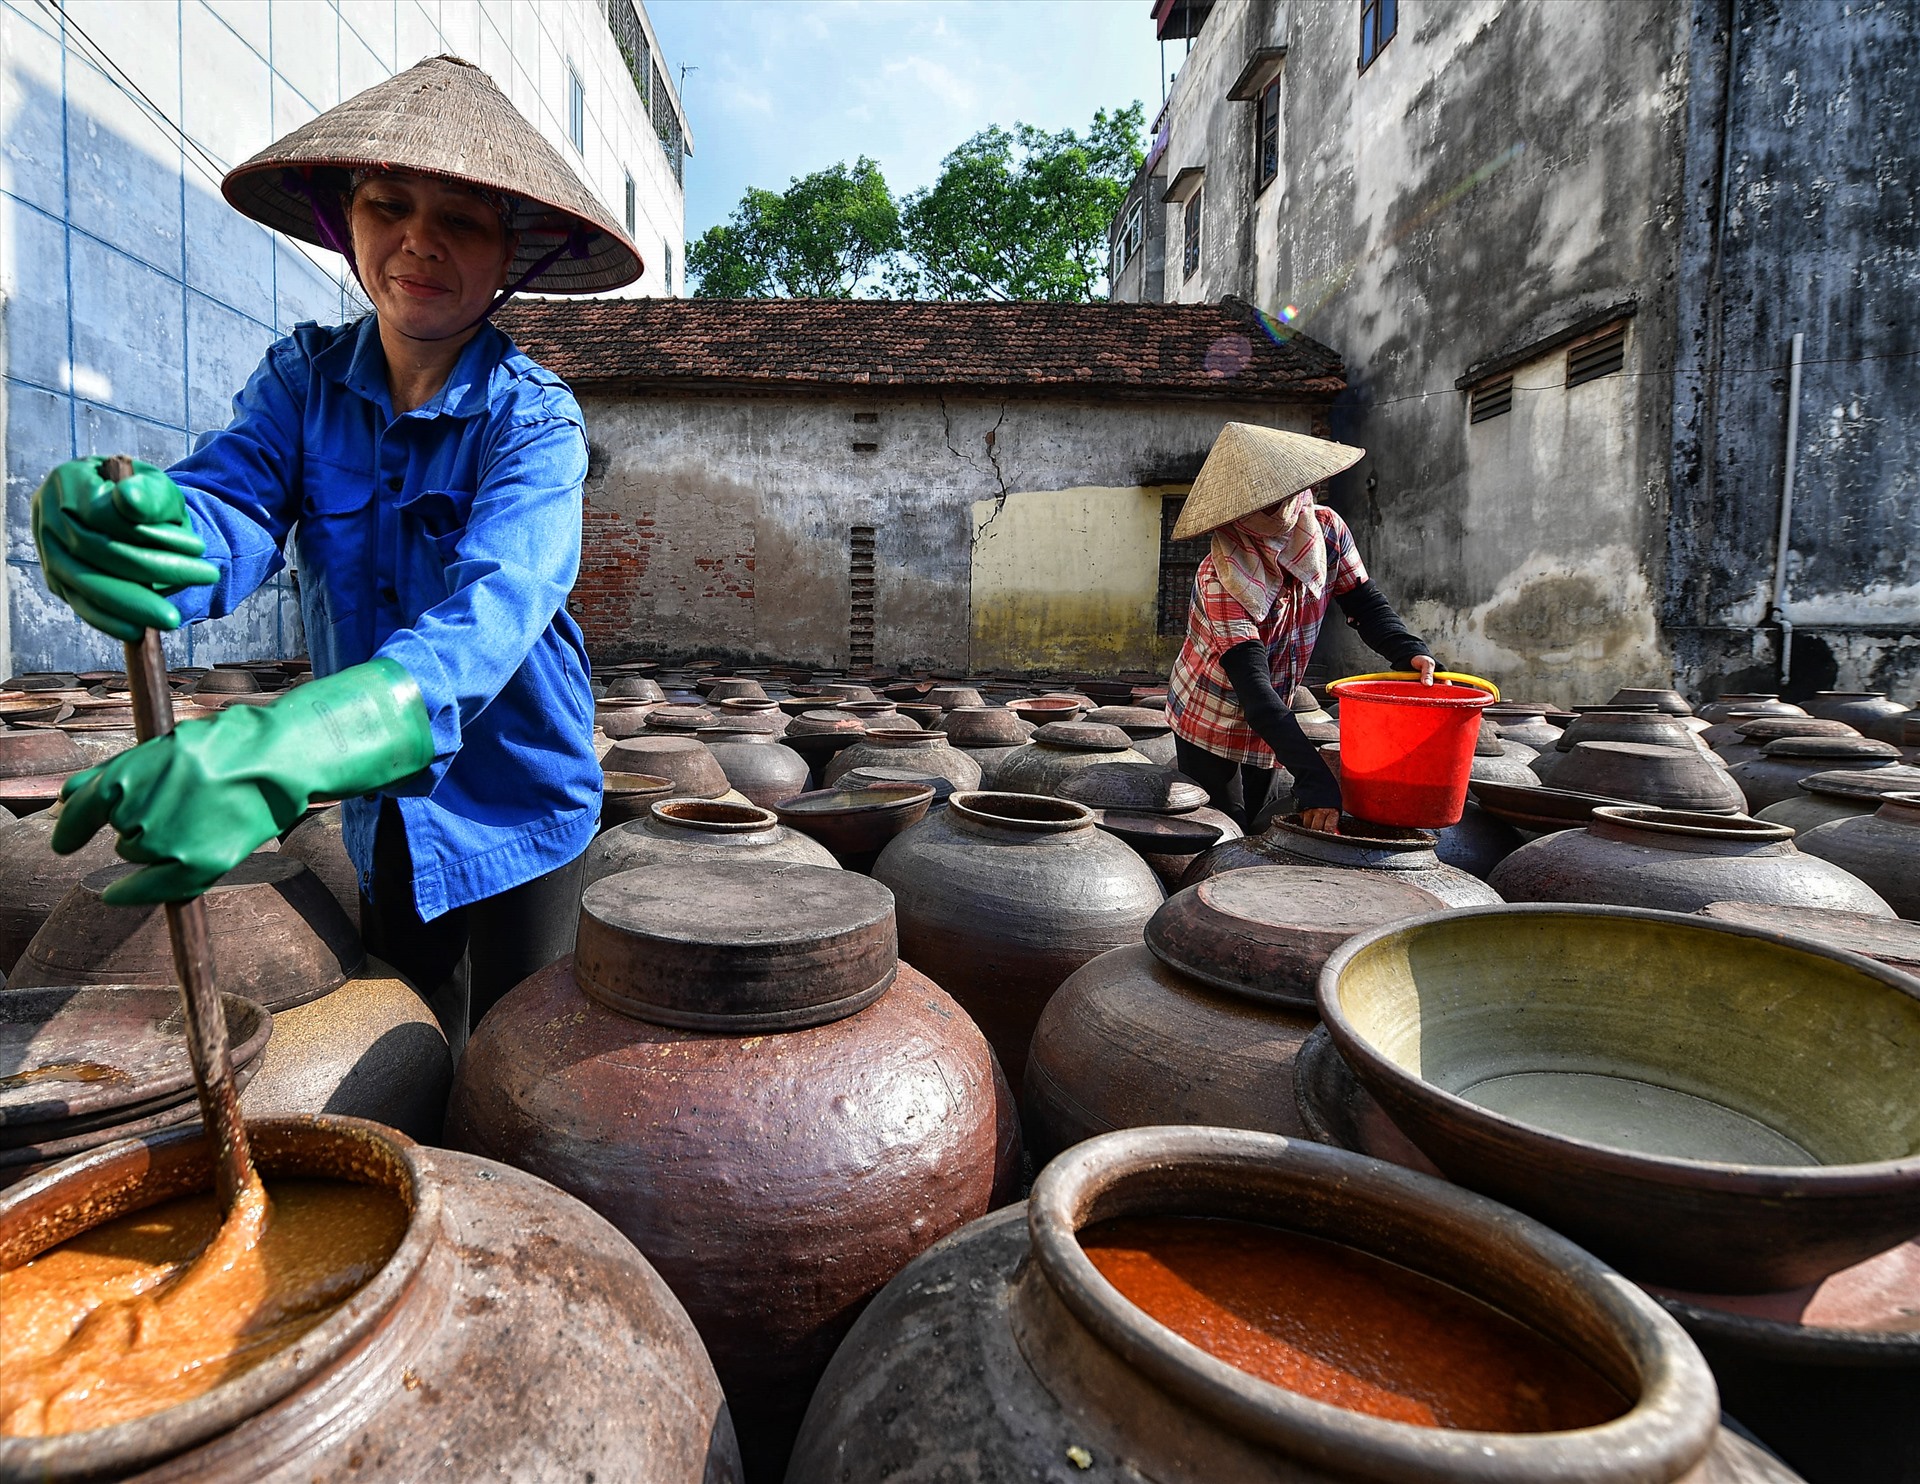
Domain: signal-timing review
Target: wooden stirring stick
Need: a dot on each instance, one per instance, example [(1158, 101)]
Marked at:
[(192, 948)]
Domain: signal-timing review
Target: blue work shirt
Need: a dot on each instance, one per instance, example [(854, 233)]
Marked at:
[(447, 539)]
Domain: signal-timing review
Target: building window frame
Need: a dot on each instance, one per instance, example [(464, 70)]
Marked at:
[(1179, 563), (666, 267), (1127, 241), (1266, 137), (1379, 23), (1598, 354), (576, 109), (633, 213), (1190, 230)]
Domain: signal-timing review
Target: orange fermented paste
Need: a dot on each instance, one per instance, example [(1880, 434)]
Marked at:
[(154, 1308), (1346, 1328)]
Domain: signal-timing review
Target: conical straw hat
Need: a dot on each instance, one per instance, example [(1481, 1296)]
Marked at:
[(1250, 468), (443, 117)]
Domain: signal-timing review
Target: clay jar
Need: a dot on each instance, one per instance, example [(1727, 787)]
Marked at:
[(985, 726), (1200, 1023), (1498, 760), (699, 829), (691, 766), (1775, 774), (1150, 732), (512, 1334), (1868, 711), (1125, 791), (318, 843), (1059, 749), (1002, 896), (1407, 856), (762, 770), (737, 1071), (1477, 842), (33, 879), (922, 752), (1669, 701), (349, 1035), (879, 716), (1678, 862), (818, 735), (1659, 776), (1760, 703), (1882, 849), (1840, 794), (1004, 1348)]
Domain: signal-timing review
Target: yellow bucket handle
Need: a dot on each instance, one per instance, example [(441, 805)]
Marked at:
[(1471, 680)]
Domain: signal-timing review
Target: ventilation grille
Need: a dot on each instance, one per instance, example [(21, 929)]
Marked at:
[(1491, 400), (860, 602), (1179, 562), (1599, 355)]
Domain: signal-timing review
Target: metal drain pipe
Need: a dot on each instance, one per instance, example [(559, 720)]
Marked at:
[(1782, 543)]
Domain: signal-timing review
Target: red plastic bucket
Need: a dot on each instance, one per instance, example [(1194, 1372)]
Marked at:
[(1406, 750)]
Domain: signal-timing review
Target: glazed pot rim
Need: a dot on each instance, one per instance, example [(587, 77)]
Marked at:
[(711, 816), (1034, 814), (1666, 1429), (128, 1165), (1694, 824), (897, 796), (1763, 1181)]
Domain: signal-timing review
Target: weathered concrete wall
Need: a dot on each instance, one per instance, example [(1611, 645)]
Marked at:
[(720, 524), (1813, 227)]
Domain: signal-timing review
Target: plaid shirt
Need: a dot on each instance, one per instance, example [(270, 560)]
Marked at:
[(1200, 698)]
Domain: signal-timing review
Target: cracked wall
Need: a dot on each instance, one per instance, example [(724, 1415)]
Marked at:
[(719, 525)]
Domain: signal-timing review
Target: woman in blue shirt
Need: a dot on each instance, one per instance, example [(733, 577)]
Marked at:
[(430, 475)]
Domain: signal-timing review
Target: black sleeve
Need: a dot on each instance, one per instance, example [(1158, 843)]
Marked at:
[(1271, 718), (1368, 610)]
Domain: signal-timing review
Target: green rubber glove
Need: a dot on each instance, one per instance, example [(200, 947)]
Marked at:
[(192, 805), (112, 552)]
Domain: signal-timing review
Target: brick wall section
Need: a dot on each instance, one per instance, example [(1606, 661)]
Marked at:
[(606, 600)]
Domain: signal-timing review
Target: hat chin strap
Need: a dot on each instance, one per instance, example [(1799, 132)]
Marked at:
[(332, 225)]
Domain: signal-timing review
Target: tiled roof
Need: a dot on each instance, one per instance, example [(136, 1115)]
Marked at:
[(1140, 350)]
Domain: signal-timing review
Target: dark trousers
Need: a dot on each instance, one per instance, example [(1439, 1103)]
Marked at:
[(1219, 777), (465, 960)]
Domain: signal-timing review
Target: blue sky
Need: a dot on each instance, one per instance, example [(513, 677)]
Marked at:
[(784, 87)]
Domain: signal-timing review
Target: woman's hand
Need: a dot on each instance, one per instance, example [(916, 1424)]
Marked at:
[(1327, 821), (1423, 663)]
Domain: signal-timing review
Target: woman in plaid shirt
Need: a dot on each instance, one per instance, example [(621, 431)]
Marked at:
[(1259, 597)]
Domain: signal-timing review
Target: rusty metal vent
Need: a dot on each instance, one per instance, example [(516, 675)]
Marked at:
[(1491, 400), (1598, 355), (860, 596), (1179, 563)]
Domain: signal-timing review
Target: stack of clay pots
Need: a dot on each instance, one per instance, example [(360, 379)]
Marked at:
[(1059, 749), (1161, 813)]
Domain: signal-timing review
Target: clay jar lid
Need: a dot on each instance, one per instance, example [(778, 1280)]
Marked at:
[(682, 719), (1669, 701), (1764, 729), (81, 1058), (1855, 749), (1083, 736), (881, 716), (941, 785), (947, 697), (634, 688), (1264, 932), (1863, 783), (226, 682), (43, 680), (736, 947), (1487, 744), (1135, 721), (694, 770), (735, 689), (1624, 726), (1149, 789), (277, 934), (1664, 777), (984, 726), (904, 741), (36, 754), (1045, 709), (827, 724)]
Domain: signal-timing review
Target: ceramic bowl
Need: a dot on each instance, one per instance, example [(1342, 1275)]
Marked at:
[(855, 821), (1702, 1104)]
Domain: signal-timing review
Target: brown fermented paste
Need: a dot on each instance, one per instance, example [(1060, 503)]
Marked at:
[(154, 1308), (1346, 1328)]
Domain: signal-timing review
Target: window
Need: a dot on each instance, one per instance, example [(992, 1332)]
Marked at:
[(666, 123), (576, 110), (666, 265), (860, 594), (1378, 19), (1179, 561), (1126, 243), (628, 34), (1490, 399), (1266, 149), (631, 214), (1599, 354), (1190, 257)]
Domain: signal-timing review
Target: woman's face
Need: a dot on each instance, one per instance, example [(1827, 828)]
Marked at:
[(431, 254)]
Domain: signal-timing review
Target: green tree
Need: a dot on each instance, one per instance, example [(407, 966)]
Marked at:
[(817, 239), (1021, 214)]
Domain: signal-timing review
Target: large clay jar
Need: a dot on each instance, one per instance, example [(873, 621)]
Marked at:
[(1526, 724), (1882, 849), (349, 1035), (1004, 1353), (1201, 1021), (1776, 773), (1406, 855), (736, 1070), (1760, 703), (1659, 776), (699, 829), (513, 1334), (33, 879), (1840, 794), (318, 842), (1678, 862), (1476, 842), (1057, 751), (763, 771), (1869, 711), (1150, 732), (921, 752), (1002, 896)]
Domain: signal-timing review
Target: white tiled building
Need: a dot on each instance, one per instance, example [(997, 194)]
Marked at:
[(134, 301)]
